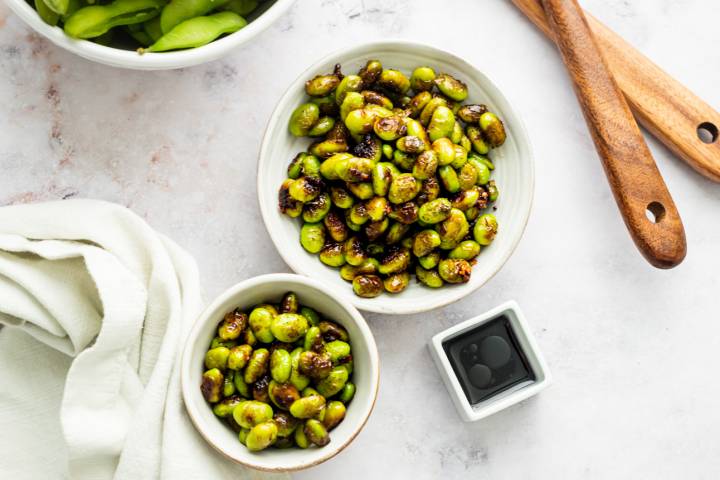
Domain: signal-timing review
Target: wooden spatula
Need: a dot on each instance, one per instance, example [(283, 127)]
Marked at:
[(640, 192)]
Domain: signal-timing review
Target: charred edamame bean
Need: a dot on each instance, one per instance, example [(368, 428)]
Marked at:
[(397, 282), (280, 365), (261, 436), (485, 229), (454, 270), (211, 386), (288, 327), (257, 365), (493, 129), (451, 87), (367, 286)]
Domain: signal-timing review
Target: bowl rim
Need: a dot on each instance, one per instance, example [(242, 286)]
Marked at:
[(519, 131), (117, 57), (205, 316)]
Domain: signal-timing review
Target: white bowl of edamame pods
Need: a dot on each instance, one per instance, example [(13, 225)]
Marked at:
[(335, 317), (150, 34), (293, 180)]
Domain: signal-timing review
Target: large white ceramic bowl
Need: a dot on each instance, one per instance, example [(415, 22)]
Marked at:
[(331, 305), (514, 174), (266, 14)]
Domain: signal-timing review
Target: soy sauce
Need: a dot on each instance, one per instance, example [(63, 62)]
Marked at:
[(488, 360)]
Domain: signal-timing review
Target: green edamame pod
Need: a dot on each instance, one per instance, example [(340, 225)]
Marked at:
[(241, 7), (139, 35), (198, 31), (153, 29), (312, 237), (95, 20), (60, 7), (47, 14), (177, 11)]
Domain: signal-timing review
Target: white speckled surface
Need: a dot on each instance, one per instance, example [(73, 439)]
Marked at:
[(632, 349)]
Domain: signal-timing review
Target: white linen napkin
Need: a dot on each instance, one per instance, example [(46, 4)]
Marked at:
[(96, 306)]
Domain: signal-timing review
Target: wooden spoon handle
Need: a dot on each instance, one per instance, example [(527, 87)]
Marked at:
[(634, 178), (671, 112)]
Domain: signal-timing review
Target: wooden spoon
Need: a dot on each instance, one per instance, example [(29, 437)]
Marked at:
[(673, 114), (640, 192)]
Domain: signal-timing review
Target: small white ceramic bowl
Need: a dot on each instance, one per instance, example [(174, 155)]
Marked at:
[(514, 174), (263, 17), (324, 299)]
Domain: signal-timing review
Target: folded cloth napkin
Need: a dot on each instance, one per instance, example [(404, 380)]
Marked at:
[(96, 306)]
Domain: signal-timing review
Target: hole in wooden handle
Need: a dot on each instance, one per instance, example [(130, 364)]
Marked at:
[(655, 212), (707, 132)]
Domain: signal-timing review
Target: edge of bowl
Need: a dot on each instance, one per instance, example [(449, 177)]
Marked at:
[(249, 283), (116, 57), (518, 127)]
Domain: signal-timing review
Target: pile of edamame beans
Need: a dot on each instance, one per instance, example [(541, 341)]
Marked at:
[(280, 376), (153, 25), (397, 180)]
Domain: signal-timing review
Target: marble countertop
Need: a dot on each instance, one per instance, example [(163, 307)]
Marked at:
[(632, 349)]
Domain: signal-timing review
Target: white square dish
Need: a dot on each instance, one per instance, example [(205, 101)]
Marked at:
[(516, 393)]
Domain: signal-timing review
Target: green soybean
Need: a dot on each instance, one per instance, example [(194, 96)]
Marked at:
[(95, 20), (198, 31)]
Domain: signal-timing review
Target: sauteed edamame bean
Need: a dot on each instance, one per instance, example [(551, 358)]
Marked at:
[(397, 178), (289, 385)]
